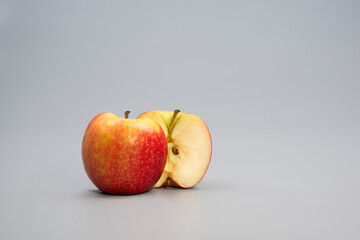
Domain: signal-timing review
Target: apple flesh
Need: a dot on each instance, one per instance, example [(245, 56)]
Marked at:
[(124, 156), (189, 148)]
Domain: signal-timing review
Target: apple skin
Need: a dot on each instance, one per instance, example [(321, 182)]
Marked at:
[(124, 156)]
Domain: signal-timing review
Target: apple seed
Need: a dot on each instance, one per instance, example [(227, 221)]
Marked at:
[(175, 150)]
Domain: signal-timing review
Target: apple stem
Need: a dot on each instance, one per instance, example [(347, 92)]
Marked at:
[(173, 121), (127, 114)]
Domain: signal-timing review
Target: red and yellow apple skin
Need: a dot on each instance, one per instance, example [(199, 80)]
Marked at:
[(124, 156)]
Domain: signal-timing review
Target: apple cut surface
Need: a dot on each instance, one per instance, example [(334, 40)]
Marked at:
[(189, 148)]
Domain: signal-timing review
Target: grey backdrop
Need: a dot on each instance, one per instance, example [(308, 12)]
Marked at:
[(277, 83)]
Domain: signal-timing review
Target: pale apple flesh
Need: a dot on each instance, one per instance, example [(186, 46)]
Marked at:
[(189, 148)]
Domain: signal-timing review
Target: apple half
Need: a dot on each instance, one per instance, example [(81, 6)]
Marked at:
[(189, 148)]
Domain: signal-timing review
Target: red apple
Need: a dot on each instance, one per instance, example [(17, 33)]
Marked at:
[(189, 148), (124, 156)]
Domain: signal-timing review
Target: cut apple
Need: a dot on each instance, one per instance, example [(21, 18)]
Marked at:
[(189, 148)]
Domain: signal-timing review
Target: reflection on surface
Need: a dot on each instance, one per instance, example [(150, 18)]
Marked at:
[(158, 212)]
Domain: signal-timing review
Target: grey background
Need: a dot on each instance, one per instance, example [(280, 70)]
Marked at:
[(277, 83)]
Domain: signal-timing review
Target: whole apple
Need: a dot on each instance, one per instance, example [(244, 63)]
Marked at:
[(124, 156)]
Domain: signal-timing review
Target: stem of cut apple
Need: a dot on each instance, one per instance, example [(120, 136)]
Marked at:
[(127, 114), (172, 124), (173, 121)]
